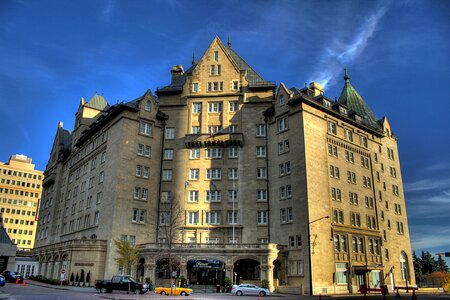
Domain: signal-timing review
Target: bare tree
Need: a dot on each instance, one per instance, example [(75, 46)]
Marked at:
[(171, 224)]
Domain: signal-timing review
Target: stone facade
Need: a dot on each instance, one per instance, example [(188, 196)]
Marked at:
[(226, 176)]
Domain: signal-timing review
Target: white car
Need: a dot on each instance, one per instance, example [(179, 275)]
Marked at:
[(249, 289)]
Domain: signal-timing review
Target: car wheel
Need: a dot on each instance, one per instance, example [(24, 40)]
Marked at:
[(136, 291), (103, 290), (262, 294), (183, 293), (239, 293), (163, 293)]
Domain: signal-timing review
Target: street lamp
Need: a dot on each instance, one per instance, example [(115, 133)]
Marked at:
[(309, 253)]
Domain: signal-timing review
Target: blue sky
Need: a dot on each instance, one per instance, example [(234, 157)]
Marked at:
[(52, 53)]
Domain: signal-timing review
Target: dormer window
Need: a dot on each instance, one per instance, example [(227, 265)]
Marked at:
[(327, 103), (343, 111), (281, 100), (148, 105)]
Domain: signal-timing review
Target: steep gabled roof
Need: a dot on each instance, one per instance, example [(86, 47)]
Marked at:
[(252, 76), (97, 102), (353, 100), (4, 237)]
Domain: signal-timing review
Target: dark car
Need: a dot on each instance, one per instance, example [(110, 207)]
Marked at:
[(11, 276), (2, 280)]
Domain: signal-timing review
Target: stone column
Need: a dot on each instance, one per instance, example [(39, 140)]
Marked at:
[(149, 271)]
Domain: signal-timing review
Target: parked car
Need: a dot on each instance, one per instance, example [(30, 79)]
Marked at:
[(176, 291), (11, 276), (249, 289), (2, 280), (121, 283)]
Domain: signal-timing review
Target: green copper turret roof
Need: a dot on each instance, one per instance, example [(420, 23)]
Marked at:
[(353, 100), (97, 102)]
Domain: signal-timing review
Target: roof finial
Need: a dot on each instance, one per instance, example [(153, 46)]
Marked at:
[(229, 42), (193, 58), (346, 76)]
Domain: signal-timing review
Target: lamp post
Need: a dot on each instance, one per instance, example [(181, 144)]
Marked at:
[(309, 253)]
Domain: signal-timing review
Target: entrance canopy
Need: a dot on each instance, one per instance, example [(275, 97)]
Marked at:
[(205, 264)]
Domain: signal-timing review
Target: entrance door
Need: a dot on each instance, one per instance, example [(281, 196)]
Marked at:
[(360, 279)]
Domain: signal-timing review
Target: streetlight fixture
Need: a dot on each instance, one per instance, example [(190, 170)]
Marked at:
[(309, 253)]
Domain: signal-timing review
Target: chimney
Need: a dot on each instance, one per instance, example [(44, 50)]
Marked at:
[(176, 72), (316, 88)]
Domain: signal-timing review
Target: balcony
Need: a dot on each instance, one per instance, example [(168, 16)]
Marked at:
[(210, 140)]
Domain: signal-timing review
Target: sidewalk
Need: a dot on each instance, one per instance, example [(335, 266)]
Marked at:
[(62, 287)]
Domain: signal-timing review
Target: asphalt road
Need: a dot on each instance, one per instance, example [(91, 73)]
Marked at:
[(38, 291)]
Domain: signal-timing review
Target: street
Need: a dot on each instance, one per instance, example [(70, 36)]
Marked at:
[(37, 291)]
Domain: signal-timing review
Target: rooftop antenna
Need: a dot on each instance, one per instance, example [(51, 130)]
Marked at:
[(229, 42), (193, 58)]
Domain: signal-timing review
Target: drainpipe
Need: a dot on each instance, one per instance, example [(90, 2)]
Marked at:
[(163, 132), (267, 179)]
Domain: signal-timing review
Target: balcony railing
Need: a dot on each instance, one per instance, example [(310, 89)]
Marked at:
[(208, 140)]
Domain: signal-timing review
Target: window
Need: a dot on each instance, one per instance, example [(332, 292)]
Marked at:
[(233, 152), (233, 173), (353, 198), (148, 105), (364, 162), (144, 194), (98, 198), (338, 216), (260, 130), (167, 175), (369, 202), (348, 135), (331, 127), (193, 217), (334, 172), (363, 141), (400, 229), (135, 215), (397, 209), (143, 216), (143, 150), (234, 106), (213, 153), (166, 196), (194, 153), (212, 70), (283, 147), (261, 173), (233, 128), (393, 172), (341, 273), (282, 124), (283, 215), (164, 218), (137, 193), (351, 177), (285, 168), (146, 172), (214, 174), (213, 196), (103, 157), (213, 129), (349, 156), (355, 219), (196, 129), (298, 239), (332, 150), (232, 195), (214, 107), (260, 151), (212, 217), (281, 100), (262, 217), (261, 195), (193, 196), (232, 217), (340, 243), (395, 190), (291, 242), (194, 174), (216, 55), (170, 133), (101, 177), (367, 182), (235, 85), (168, 154), (145, 128), (371, 223), (336, 194), (197, 107), (195, 87), (138, 171)]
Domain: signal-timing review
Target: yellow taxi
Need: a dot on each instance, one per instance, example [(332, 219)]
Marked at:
[(175, 291)]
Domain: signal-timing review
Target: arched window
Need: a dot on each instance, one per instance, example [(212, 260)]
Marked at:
[(404, 266)]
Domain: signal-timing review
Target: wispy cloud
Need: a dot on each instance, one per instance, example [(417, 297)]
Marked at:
[(334, 58), (428, 184), (108, 11)]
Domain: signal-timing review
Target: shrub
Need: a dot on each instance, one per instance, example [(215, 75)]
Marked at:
[(265, 284)]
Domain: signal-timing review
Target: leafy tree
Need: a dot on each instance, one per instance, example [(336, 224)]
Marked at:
[(128, 254), (82, 276), (442, 265), (77, 278), (88, 277)]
